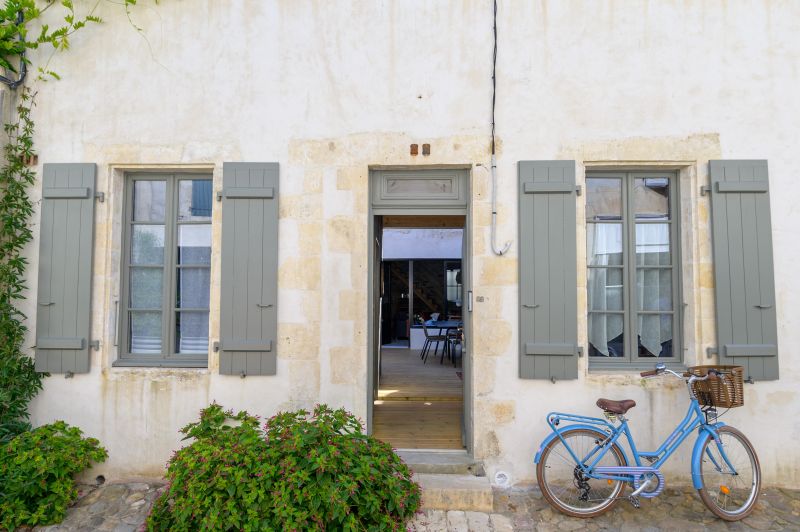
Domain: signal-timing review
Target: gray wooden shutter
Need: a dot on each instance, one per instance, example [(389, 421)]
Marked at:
[(747, 333), (249, 302), (548, 276), (63, 310)]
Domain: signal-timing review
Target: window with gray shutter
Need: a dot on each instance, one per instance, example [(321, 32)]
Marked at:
[(249, 300), (744, 281), (166, 270), (632, 262), (63, 311), (548, 274)]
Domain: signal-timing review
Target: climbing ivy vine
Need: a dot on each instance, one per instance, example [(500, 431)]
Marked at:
[(22, 30)]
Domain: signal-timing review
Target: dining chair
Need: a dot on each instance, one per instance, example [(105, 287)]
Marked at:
[(430, 339)]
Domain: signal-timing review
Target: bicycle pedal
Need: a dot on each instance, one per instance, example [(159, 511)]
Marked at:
[(634, 500)]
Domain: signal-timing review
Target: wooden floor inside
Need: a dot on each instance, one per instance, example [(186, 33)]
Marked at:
[(420, 405)]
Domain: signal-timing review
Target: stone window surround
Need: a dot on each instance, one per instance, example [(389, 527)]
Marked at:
[(695, 270), (108, 258)]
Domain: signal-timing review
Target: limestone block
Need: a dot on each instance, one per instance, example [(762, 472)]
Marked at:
[(352, 305), (498, 412), (304, 380), (303, 273), (462, 492), (302, 207), (299, 341), (347, 364), (312, 180), (310, 238), (497, 271), (487, 445), (351, 177), (344, 234), (492, 337), (483, 374)]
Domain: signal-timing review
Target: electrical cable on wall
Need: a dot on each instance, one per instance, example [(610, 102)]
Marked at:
[(507, 245)]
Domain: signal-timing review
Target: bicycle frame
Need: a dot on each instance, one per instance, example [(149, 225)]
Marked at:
[(694, 419)]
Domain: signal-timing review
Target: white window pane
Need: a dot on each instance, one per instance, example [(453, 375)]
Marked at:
[(655, 335), (604, 244), (145, 330), (603, 198), (651, 197), (146, 287), (194, 287), (147, 244), (606, 336), (192, 332), (654, 289), (194, 200), (652, 245), (149, 201), (194, 244), (605, 289)]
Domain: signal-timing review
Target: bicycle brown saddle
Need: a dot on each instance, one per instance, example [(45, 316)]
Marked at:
[(616, 407)]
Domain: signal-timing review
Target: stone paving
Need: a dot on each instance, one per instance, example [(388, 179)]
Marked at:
[(117, 507), (123, 507)]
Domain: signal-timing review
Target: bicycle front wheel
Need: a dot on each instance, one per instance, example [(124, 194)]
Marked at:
[(730, 495), (564, 485)]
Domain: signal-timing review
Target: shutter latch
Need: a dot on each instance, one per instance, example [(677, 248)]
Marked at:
[(705, 189), (578, 190), (95, 344), (100, 196)]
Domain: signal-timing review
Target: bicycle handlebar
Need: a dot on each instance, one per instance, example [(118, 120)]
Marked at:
[(659, 371)]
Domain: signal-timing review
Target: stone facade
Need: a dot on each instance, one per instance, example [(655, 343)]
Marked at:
[(329, 90)]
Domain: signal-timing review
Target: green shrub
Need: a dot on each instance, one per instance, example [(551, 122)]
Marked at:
[(37, 470), (305, 471)]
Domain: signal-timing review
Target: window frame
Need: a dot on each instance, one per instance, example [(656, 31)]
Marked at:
[(169, 309), (632, 360)]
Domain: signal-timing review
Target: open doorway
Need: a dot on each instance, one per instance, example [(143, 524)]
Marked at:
[(419, 268)]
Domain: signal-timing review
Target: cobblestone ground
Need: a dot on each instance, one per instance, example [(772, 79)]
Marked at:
[(124, 507), (674, 510), (110, 507)]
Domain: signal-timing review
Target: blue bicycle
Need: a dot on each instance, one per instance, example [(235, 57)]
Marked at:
[(582, 469)]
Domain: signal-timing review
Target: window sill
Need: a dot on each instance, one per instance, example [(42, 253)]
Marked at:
[(610, 367), (170, 364)]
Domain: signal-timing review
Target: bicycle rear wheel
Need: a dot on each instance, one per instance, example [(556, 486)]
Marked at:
[(562, 482), (730, 496)]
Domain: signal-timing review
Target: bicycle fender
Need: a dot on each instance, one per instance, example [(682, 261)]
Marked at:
[(554, 435), (703, 434)]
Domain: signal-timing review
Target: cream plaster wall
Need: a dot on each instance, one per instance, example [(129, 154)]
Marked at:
[(328, 89)]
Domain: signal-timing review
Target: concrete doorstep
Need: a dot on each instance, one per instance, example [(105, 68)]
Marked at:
[(455, 492)]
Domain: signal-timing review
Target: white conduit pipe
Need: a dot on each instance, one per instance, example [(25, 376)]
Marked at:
[(507, 245)]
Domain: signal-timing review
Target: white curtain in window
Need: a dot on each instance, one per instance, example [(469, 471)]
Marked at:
[(653, 286), (605, 245)]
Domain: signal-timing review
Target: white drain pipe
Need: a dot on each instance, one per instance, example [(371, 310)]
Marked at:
[(507, 245)]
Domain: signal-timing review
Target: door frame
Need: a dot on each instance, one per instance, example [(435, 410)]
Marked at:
[(457, 202)]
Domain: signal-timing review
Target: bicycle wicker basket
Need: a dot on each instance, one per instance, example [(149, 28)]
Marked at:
[(717, 392)]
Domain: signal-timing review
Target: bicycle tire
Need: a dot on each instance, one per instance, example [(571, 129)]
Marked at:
[(548, 491), (747, 489)]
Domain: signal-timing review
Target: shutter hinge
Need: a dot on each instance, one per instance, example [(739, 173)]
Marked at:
[(68, 375), (705, 189), (219, 195), (242, 374), (216, 347), (710, 352), (100, 196), (580, 351), (95, 344), (578, 190)]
